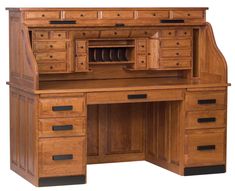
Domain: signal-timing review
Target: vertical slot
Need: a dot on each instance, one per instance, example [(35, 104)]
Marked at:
[(30, 38), (196, 53)]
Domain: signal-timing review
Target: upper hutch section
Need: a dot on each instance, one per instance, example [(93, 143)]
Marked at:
[(110, 16)]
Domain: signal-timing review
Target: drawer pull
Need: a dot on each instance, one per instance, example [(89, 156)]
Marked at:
[(206, 101), (206, 120), (62, 127), (206, 147), (63, 22), (137, 96), (119, 25), (62, 157), (172, 21), (62, 108)]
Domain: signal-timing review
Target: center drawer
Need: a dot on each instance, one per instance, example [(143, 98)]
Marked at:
[(62, 107), (62, 156), (134, 96), (62, 127), (205, 147)]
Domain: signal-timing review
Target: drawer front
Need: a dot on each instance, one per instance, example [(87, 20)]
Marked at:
[(187, 14), (141, 62), (81, 63), (41, 35), (168, 33), (117, 15), (81, 46), (205, 148), (81, 15), (175, 53), (164, 63), (174, 43), (153, 14), (134, 96), (52, 56), (58, 35), (205, 100), (62, 127), (42, 15), (62, 107), (206, 119), (87, 34), (115, 33), (141, 46), (184, 33), (52, 67), (62, 156), (143, 33), (49, 45)]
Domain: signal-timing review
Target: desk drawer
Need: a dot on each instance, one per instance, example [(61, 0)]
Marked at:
[(206, 119), (62, 127), (62, 156), (62, 107), (175, 53), (115, 33), (143, 33), (58, 35), (52, 56), (134, 96), (175, 43), (51, 67), (117, 15), (188, 14), (49, 46), (81, 15), (204, 100), (42, 15), (170, 63), (86, 34), (205, 148), (153, 14)]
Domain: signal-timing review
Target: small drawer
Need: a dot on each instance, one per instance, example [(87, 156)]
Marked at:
[(205, 100), (41, 35), (51, 56), (167, 33), (52, 67), (164, 63), (141, 62), (49, 45), (203, 148), (81, 63), (62, 107), (117, 15), (42, 15), (115, 33), (205, 119), (175, 53), (141, 46), (58, 35), (188, 14), (62, 156), (134, 96), (143, 33), (62, 127), (153, 14), (81, 15), (173, 43), (87, 34), (184, 33), (81, 46)]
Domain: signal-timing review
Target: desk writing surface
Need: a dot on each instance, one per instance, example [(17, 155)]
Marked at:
[(122, 84)]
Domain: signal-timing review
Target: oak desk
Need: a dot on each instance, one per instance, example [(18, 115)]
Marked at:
[(95, 85)]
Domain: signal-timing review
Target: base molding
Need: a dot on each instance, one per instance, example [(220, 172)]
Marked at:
[(204, 170), (62, 180)]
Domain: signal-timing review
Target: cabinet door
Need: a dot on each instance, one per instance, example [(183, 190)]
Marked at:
[(153, 53)]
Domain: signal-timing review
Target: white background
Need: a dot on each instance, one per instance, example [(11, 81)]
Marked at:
[(129, 175)]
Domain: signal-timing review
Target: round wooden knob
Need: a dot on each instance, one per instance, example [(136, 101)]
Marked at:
[(81, 47), (185, 33), (81, 63), (51, 46), (142, 61), (177, 63), (145, 32), (84, 34), (51, 67), (115, 33), (154, 14), (189, 14), (43, 15), (51, 56), (142, 46), (81, 15), (177, 43), (169, 33), (177, 53), (59, 35), (118, 14), (41, 35)]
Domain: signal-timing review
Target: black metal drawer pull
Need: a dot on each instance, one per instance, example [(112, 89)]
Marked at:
[(70, 22), (206, 147), (206, 120), (62, 157), (172, 21), (62, 127), (119, 25), (206, 101), (62, 108), (137, 96)]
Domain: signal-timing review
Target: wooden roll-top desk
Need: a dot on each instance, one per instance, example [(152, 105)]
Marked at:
[(98, 85)]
